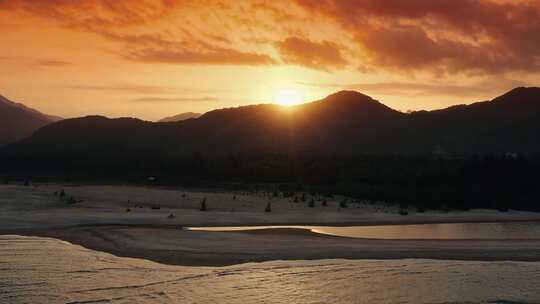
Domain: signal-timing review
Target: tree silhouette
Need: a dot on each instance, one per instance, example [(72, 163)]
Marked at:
[(343, 204), (268, 207), (311, 203), (203, 204), (324, 203)]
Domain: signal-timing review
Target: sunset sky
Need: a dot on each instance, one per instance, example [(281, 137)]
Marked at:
[(156, 58)]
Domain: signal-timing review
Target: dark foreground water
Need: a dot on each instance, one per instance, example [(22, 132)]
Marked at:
[(40, 270), (502, 231)]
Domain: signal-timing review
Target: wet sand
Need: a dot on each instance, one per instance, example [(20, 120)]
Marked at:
[(101, 223)]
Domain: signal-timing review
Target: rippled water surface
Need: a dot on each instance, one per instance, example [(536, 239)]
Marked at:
[(39, 270), (504, 231)]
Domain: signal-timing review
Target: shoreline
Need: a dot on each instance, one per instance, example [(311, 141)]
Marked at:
[(101, 222), (197, 248)]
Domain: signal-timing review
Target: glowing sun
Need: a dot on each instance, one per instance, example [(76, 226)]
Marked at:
[(289, 96)]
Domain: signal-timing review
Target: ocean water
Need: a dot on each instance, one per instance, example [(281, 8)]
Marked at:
[(499, 231), (42, 270)]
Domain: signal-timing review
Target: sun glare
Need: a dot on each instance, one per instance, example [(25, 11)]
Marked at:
[(289, 96)]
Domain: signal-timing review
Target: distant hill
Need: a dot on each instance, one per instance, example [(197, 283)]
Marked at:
[(18, 121), (180, 117), (344, 123)]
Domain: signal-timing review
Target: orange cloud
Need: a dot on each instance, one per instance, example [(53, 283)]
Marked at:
[(93, 14), (318, 55), (443, 37), (120, 21), (214, 55)]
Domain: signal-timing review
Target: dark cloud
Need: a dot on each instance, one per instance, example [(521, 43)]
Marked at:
[(450, 36), (323, 55)]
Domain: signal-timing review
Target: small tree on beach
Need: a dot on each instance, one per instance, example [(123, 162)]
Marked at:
[(62, 193), (324, 203), (268, 207), (343, 204), (203, 204)]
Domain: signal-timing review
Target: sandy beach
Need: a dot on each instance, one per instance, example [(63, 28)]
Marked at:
[(100, 221)]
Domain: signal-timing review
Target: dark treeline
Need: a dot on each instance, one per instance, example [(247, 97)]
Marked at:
[(499, 182)]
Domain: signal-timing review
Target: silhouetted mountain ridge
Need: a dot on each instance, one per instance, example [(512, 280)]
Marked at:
[(180, 117), (345, 123), (18, 121)]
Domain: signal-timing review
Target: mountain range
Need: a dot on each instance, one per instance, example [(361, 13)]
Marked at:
[(344, 123), (180, 117), (18, 121)]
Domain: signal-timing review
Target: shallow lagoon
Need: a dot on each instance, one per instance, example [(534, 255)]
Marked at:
[(502, 231)]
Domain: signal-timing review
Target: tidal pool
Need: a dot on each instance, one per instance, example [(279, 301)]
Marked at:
[(503, 231)]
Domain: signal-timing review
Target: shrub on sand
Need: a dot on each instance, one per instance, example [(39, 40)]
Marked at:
[(203, 205)]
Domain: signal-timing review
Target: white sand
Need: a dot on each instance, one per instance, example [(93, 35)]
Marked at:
[(101, 222)]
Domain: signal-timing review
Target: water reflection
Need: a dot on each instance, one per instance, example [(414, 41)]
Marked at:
[(513, 230)]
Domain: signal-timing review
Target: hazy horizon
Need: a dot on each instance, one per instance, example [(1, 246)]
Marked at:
[(172, 115)]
